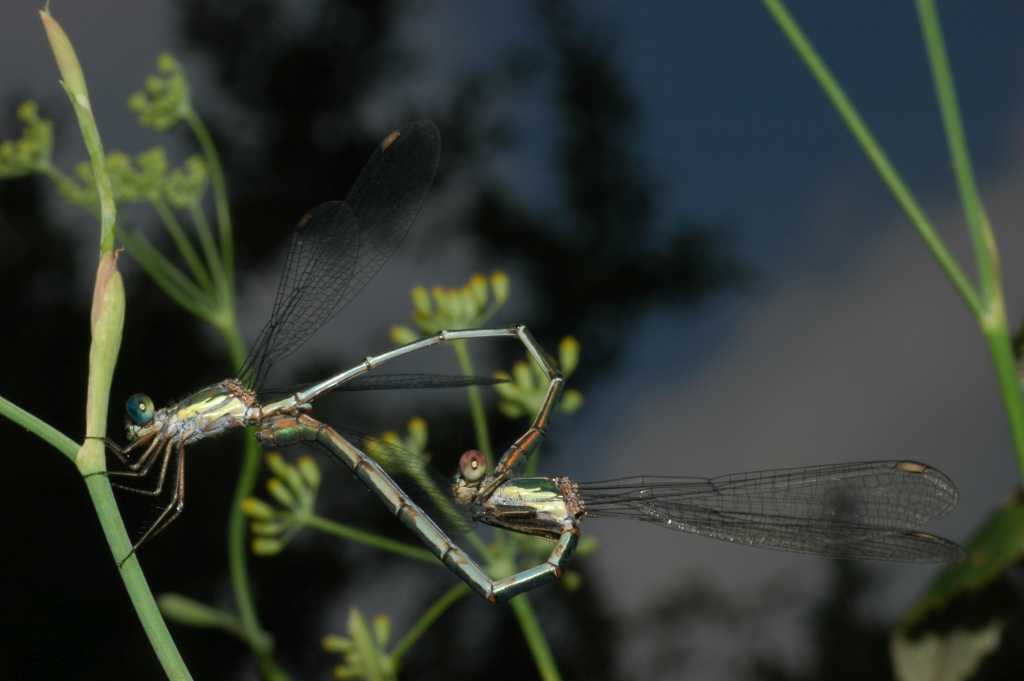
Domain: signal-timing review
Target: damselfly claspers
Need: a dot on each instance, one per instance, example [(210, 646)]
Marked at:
[(335, 251)]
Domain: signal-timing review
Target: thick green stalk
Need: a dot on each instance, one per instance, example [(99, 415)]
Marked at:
[(106, 323), (535, 639), (874, 152), (134, 580), (369, 539), (438, 608), (993, 316)]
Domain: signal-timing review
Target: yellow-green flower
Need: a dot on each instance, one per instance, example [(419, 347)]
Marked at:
[(164, 100), (467, 307), (363, 651), (292, 488), (522, 392), (31, 152)]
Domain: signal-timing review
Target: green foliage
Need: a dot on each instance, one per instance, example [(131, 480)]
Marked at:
[(363, 650), (164, 100), (190, 612), (31, 152), (403, 455), (149, 179), (995, 547)]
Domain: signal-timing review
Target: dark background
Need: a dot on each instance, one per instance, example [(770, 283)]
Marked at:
[(665, 182)]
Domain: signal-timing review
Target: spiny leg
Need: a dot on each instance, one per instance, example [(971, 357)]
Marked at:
[(526, 442), (144, 462), (165, 456), (170, 512)]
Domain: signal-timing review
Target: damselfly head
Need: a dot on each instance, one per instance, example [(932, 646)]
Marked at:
[(138, 413), (472, 469)]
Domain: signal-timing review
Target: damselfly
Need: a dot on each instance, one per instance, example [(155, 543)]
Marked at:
[(870, 510), (335, 251)]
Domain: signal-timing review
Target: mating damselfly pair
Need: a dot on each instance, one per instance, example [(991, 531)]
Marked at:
[(852, 510)]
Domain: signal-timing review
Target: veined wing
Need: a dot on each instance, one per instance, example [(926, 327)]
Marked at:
[(867, 510), (339, 246)]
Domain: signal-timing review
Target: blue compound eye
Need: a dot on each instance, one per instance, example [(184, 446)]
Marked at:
[(139, 409)]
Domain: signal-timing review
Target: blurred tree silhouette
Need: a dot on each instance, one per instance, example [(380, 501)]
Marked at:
[(601, 265)]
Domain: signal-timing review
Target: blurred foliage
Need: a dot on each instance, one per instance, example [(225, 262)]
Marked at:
[(31, 152), (164, 101), (363, 650), (293, 489)]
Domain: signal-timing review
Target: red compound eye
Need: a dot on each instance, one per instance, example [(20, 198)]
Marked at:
[(472, 465)]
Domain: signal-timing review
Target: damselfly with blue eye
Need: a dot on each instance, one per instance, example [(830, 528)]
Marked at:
[(335, 251)]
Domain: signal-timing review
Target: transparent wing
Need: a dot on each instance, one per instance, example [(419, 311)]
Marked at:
[(339, 246), (415, 382), (851, 510)]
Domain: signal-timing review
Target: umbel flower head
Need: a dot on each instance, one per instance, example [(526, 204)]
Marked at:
[(164, 100), (292, 489), (522, 392), (467, 307), (363, 650), (30, 153)]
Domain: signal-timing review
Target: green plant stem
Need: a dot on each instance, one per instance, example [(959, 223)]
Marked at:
[(271, 670), (182, 243), (220, 193), (368, 538), (476, 404), (134, 580), (992, 318), (209, 246), (535, 639), (247, 477), (438, 608), (874, 152), (35, 425), (196, 614), (169, 278), (237, 555)]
